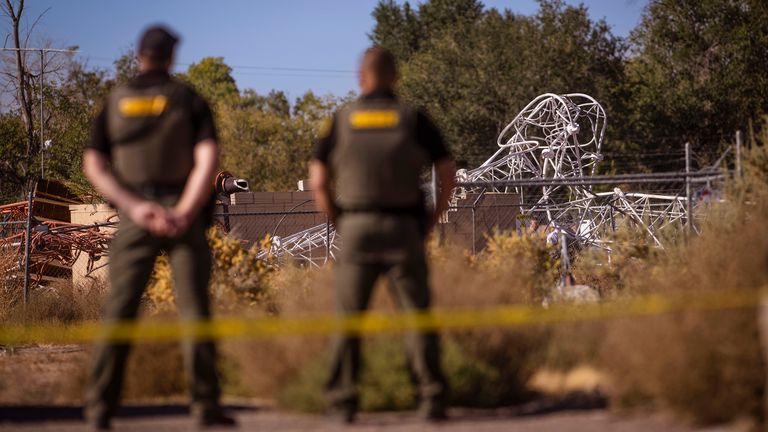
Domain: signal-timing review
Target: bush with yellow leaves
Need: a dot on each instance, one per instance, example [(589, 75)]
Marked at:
[(527, 259), (238, 278)]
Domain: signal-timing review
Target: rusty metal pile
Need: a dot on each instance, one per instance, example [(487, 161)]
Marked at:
[(54, 245)]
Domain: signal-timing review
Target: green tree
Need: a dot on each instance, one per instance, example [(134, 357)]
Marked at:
[(72, 104), (275, 101), (12, 164), (126, 67), (477, 68), (266, 143), (213, 79), (698, 71), (396, 28)]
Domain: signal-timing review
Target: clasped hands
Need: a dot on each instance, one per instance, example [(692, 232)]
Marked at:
[(160, 221)]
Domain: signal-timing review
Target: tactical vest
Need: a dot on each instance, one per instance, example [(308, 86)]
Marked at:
[(376, 161), (152, 134)]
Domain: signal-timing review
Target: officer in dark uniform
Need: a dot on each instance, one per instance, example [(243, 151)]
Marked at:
[(366, 175), (153, 154)]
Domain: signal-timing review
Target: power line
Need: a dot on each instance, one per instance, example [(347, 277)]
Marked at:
[(275, 74), (262, 68)]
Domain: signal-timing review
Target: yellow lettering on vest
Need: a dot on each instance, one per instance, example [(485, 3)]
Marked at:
[(143, 106), (374, 119)]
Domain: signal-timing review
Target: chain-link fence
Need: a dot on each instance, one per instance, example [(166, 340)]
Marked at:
[(580, 210), (287, 226), (40, 245)]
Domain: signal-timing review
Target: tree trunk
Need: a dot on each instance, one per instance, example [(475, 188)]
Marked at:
[(23, 92)]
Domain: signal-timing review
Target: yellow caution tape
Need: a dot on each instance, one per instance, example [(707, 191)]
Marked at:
[(374, 322)]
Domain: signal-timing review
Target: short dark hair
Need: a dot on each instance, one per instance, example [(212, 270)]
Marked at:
[(157, 43), (381, 62)]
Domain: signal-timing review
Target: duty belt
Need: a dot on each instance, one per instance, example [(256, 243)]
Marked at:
[(157, 191)]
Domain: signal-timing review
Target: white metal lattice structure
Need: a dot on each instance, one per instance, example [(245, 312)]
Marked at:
[(553, 137), (314, 246), (602, 212)]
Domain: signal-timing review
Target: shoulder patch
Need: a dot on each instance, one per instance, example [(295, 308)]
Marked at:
[(374, 119), (142, 106)]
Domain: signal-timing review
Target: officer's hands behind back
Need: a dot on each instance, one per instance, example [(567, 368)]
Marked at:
[(156, 219)]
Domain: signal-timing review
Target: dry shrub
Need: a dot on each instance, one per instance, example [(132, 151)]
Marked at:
[(707, 372), (511, 270), (705, 365), (11, 283), (58, 303), (632, 255), (238, 277), (484, 367), (262, 367)]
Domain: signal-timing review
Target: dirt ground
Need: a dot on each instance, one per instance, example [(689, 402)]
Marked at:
[(34, 397), (173, 418)]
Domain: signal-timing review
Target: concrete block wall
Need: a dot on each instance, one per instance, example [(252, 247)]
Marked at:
[(89, 214), (253, 215)]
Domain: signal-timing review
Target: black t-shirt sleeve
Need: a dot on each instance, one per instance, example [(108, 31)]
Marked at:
[(99, 135), (202, 118), (429, 136), (326, 141)]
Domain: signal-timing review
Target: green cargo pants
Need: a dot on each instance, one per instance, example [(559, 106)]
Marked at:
[(132, 256), (375, 245)]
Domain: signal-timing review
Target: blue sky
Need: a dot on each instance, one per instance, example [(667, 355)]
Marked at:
[(290, 45)]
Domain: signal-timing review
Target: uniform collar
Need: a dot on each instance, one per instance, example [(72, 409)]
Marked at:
[(379, 94), (150, 78)]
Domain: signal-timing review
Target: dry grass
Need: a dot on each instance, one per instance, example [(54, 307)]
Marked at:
[(264, 366), (11, 284), (706, 366)]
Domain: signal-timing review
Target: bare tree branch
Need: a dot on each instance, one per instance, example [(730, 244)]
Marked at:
[(23, 94)]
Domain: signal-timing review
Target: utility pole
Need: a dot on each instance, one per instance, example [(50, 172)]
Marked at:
[(42, 116), (42, 52)]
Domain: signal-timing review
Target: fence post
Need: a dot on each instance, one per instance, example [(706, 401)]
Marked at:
[(434, 186), (688, 192), (739, 139), (474, 240), (564, 258), (474, 229), (28, 244)]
